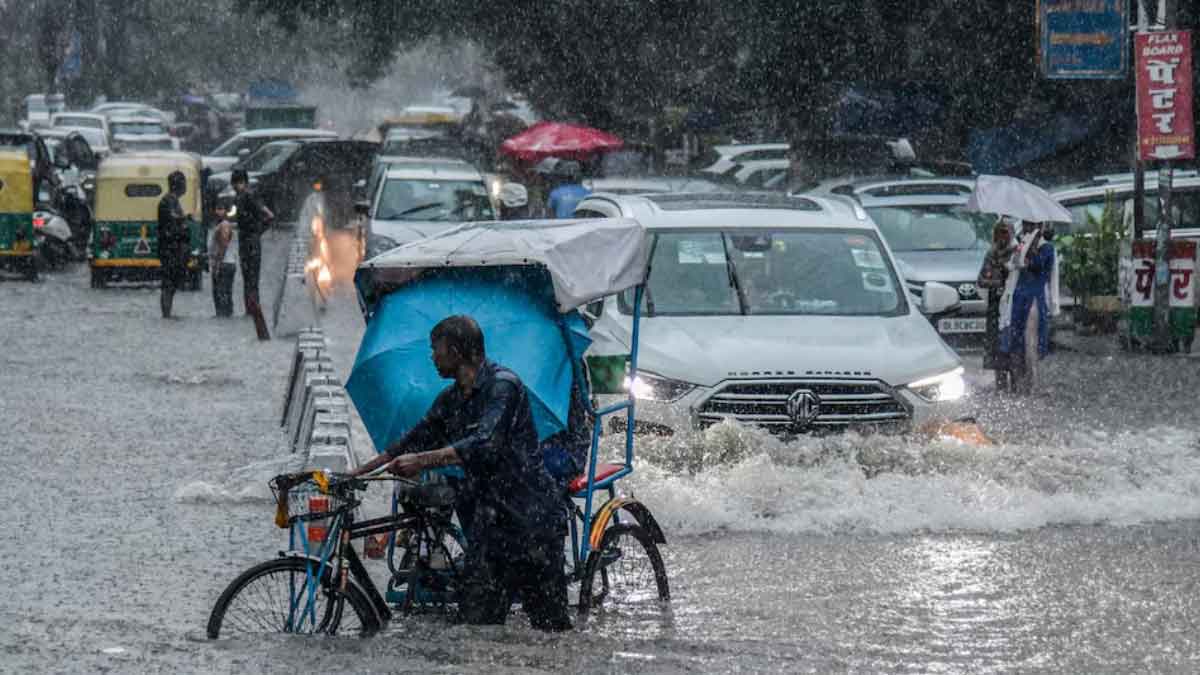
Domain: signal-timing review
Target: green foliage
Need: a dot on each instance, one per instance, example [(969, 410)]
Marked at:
[(1088, 261)]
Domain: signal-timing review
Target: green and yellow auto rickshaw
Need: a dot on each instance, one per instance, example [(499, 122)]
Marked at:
[(124, 241), (17, 244)]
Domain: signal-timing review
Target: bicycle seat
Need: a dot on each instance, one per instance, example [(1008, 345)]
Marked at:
[(427, 495), (603, 471)]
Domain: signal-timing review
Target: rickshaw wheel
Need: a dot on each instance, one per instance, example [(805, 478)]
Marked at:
[(99, 278), (626, 569)]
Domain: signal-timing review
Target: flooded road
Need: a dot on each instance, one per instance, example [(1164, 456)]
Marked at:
[(137, 453)]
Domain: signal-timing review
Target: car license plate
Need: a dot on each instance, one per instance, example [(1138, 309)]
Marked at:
[(962, 325)]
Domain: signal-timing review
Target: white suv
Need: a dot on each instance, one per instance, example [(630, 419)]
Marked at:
[(784, 312)]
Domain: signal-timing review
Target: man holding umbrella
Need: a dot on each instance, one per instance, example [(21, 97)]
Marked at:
[(511, 509), (1030, 296)]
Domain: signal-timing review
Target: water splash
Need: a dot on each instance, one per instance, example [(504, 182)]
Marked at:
[(736, 479)]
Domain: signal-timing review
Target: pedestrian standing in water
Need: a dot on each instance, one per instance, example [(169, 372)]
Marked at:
[(1032, 273), (173, 236), (222, 251), (253, 218), (993, 279)]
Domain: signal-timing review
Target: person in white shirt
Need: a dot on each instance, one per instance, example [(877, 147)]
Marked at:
[(223, 259)]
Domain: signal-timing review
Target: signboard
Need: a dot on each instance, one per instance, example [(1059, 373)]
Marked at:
[(1164, 95), (1084, 39), (1181, 259)]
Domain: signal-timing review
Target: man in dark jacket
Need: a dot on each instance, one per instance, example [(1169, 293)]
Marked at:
[(514, 515), (253, 218), (173, 239)]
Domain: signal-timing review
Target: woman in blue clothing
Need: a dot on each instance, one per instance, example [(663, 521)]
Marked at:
[(1027, 339)]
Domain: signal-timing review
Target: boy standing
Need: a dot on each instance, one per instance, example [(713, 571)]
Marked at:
[(223, 258)]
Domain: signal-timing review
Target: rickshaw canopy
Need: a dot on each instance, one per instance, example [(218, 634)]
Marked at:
[(586, 259), (16, 182), (129, 186)]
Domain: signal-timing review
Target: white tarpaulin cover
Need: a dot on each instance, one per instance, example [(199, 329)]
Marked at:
[(587, 259), (1008, 196)]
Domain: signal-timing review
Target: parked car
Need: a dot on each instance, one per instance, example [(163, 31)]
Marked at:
[(139, 134), (130, 108), (776, 311), (932, 236), (413, 198), (244, 144), (284, 173)]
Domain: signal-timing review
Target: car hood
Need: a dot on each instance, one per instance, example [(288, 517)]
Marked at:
[(142, 137), (945, 266), (708, 350)]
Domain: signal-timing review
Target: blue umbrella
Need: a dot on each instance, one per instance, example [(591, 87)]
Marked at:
[(394, 382)]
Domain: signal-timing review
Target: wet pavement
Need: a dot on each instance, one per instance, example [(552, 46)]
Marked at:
[(138, 450)]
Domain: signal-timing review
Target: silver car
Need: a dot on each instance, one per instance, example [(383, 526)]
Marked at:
[(933, 238)]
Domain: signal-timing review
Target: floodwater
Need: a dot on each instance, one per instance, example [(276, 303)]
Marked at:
[(137, 453)]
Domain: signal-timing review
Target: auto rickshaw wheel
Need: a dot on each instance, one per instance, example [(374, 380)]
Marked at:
[(99, 278)]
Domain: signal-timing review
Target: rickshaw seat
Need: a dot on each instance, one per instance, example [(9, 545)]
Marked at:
[(603, 472)]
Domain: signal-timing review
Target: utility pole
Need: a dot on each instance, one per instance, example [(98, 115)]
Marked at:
[(1165, 20)]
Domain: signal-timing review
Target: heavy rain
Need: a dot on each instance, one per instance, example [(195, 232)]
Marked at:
[(599, 337)]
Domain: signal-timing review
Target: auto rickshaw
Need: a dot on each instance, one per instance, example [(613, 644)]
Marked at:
[(124, 241), (17, 247)]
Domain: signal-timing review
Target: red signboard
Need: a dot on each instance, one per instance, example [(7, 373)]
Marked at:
[(1164, 95)]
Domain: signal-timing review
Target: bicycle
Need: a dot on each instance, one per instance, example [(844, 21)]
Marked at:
[(309, 587)]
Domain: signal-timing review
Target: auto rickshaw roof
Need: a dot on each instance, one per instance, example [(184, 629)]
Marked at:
[(149, 163), (587, 259)]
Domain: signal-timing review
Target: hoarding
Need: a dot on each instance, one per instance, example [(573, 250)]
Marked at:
[(1084, 39), (1164, 95)]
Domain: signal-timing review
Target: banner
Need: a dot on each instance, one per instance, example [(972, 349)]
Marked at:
[(1083, 39), (1164, 95)]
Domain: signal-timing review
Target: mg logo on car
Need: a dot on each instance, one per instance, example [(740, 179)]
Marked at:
[(803, 406)]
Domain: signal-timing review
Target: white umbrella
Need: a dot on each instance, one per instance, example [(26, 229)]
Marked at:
[(1008, 196)]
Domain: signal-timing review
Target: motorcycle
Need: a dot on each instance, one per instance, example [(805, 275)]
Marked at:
[(53, 237)]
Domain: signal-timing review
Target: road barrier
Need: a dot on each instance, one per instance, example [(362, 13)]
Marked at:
[(316, 417)]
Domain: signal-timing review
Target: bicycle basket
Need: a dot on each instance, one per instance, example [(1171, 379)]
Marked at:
[(303, 500)]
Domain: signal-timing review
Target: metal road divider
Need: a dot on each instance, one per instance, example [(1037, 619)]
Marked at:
[(316, 417)]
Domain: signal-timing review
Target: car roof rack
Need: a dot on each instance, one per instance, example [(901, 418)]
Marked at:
[(732, 200)]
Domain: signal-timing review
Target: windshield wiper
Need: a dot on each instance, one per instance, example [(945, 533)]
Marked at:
[(733, 277), (414, 209)]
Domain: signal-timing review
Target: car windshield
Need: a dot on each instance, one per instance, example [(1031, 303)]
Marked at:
[(788, 272), (89, 122), (137, 128), (269, 157), (451, 200), (932, 228)]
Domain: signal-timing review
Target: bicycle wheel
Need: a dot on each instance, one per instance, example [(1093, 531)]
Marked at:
[(626, 569), (259, 601)]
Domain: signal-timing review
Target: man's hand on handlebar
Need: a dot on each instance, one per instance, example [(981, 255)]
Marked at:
[(406, 466)]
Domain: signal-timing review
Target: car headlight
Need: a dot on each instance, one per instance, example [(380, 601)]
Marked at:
[(378, 244), (948, 386), (651, 387)]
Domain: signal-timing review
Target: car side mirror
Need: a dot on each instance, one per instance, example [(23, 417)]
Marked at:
[(243, 153), (362, 208), (938, 298)]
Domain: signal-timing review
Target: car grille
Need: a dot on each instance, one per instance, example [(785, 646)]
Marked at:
[(837, 404)]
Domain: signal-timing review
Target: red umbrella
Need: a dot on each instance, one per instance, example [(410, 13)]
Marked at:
[(556, 139)]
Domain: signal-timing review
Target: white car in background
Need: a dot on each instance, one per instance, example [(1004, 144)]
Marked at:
[(413, 198), (92, 126), (776, 311), (136, 134), (246, 143)]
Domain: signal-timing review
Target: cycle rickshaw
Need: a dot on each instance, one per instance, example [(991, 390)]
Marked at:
[(523, 283)]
